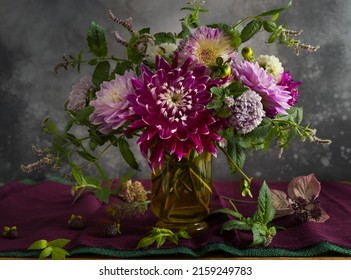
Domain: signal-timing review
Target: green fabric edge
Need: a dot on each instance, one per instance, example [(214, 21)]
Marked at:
[(322, 248)]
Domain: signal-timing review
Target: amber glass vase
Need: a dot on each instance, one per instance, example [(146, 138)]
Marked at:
[(181, 192)]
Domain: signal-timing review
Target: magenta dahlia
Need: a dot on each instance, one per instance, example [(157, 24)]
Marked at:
[(206, 44), (169, 108), (275, 98), (111, 104), (290, 86)]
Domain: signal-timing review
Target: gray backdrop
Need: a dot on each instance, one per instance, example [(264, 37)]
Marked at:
[(34, 34)]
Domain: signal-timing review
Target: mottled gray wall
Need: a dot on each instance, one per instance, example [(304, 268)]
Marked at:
[(34, 34)]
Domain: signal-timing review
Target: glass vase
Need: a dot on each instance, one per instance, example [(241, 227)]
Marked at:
[(181, 192)]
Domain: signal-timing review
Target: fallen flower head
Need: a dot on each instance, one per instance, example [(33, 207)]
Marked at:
[(302, 200)]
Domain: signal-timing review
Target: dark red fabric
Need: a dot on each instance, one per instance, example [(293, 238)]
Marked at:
[(42, 211)]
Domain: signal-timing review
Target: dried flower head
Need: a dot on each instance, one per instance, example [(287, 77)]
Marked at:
[(134, 191)]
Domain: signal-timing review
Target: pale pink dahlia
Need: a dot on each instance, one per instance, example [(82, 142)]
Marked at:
[(169, 106), (111, 104), (79, 94), (275, 98), (206, 44)]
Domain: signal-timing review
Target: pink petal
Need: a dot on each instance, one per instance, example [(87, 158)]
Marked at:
[(304, 186)]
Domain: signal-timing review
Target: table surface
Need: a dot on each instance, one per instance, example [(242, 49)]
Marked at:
[(41, 211)]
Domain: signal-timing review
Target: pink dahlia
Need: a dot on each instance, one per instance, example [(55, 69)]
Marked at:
[(275, 98), (291, 87), (111, 104), (169, 106), (206, 44)]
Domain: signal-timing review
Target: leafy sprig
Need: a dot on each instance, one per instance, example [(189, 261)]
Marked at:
[(52, 248), (259, 224), (161, 235)]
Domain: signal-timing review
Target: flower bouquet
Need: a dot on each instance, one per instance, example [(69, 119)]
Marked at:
[(184, 97)]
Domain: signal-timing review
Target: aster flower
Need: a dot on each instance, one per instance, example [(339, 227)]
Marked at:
[(79, 94), (290, 86), (206, 44), (111, 104), (303, 202), (274, 97), (170, 107), (272, 65), (247, 112)]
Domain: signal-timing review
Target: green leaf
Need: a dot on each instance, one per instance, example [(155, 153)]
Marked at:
[(133, 52), (299, 115), (228, 212), (251, 29), (275, 17), (86, 156), (83, 116), (258, 238), (103, 194), (269, 26), (145, 30), (38, 245), (127, 154), (59, 253), (163, 37), (183, 234), (237, 153), (101, 73), (265, 212), (45, 253), (146, 241), (161, 239), (91, 180), (122, 67), (235, 224), (275, 11), (96, 40), (185, 31), (58, 242), (223, 113), (235, 89)]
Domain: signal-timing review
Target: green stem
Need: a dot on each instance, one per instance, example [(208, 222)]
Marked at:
[(102, 173), (233, 163)]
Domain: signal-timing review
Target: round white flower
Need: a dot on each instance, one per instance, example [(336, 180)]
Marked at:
[(272, 65), (164, 50)]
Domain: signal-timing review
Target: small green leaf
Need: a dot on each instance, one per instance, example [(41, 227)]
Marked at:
[(83, 116), (103, 194), (59, 253), (163, 37), (183, 234), (146, 241), (45, 253), (58, 242), (228, 212), (251, 29), (185, 31), (127, 154), (101, 73), (258, 239), (276, 11), (77, 174), (133, 52), (269, 26), (235, 224), (86, 156), (161, 239), (96, 40), (38, 245)]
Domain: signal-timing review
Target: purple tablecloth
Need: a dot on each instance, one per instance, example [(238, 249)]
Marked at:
[(42, 210)]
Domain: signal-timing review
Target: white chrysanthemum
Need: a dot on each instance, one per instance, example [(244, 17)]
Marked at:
[(164, 50), (79, 94), (272, 65)]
